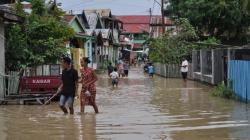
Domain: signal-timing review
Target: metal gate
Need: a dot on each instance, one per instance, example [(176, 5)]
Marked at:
[(239, 76)]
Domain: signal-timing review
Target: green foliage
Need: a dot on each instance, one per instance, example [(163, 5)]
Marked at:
[(38, 7), (171, 49), (19, 8), (219, 18), (212, 41), (39, 41), (16, 51), (223, 91)]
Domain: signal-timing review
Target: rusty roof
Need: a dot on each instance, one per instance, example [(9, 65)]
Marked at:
[(135, 24)]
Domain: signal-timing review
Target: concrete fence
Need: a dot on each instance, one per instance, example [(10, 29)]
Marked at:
[(171, 70)]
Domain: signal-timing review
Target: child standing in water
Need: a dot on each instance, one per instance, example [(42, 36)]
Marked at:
[(151, 70), (115, 77)]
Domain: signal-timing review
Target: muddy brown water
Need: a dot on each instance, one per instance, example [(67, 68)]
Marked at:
[(141, 108)]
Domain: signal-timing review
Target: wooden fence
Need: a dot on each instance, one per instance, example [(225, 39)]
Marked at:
[(9, 84)]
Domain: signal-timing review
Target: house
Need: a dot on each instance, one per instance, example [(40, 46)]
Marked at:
[(103, 25), (77, 44), (7, 16), (92, 21), (96, 45), (136, 29), (115, 26)]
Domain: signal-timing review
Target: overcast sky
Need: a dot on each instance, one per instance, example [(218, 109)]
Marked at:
[(118, 7)]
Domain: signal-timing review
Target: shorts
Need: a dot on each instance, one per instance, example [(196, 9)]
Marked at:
[(151, 74), (184, 75), (66, 99), (114, 82), (126, 72)]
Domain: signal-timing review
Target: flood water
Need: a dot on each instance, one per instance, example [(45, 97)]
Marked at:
[(141, 108)]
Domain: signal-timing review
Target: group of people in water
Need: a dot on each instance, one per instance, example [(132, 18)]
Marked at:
[(121, 70), (70, 81), (69, 87)]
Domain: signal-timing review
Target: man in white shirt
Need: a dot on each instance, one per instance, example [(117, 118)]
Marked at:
[(184, 69), (114, 76)]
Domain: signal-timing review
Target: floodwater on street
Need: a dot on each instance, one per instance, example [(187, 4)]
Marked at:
[(141, 108)]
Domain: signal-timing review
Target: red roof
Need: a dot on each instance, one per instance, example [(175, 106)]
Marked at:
[(135, 24), (68, 18), (134, 19), (27, 6), (135, 28)]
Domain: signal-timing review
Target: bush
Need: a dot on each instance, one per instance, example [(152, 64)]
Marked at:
[(224, 91)]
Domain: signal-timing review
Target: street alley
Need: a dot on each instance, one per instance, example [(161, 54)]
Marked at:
[(141, 108)]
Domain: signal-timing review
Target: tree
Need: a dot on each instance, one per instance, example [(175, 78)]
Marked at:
[(170, 48), (38, 7), (219, 18), (19, 9), (16, 51), (40, 40)]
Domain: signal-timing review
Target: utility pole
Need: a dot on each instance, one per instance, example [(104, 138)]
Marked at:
[(150, 22), (162, 16), (150, 14)]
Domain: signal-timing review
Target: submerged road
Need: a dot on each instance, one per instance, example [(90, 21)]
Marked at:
[(141, 108)]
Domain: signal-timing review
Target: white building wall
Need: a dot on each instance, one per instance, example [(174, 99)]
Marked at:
[(2, 59)]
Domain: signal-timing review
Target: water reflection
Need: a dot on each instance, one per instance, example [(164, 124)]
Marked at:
[(141, 108), (36, 122)]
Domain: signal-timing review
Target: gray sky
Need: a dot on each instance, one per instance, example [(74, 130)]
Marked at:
[(118, 7)]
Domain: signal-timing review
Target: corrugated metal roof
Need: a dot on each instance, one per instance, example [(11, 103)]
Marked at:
[(135, 24), (100, 12), (104, 32), (144, 19), (104, 12), (93, 19)]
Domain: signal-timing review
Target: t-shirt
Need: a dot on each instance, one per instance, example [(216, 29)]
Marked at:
[(69, 79), (150, 69), (184, 66), (114, 75)]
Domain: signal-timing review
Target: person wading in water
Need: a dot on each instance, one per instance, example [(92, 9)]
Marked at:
[(88, 93), (69, 86)]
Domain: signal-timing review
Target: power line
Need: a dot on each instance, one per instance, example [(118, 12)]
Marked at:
[(157, 2)]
